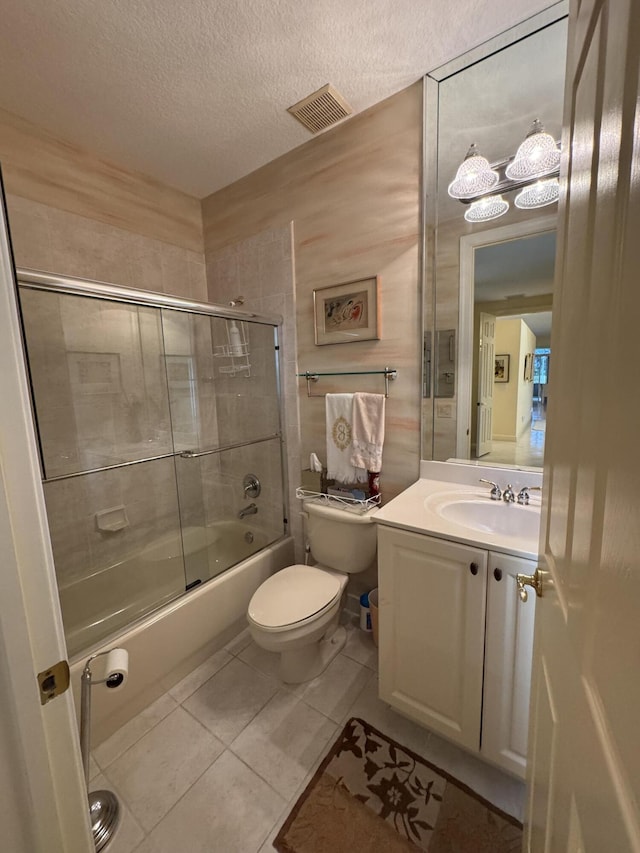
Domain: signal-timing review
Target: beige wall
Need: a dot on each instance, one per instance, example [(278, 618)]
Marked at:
[(353, 195), (54, 172), (512, 400)]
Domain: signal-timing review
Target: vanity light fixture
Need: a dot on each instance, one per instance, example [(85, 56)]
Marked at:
[(480, 184), (474, 176), (538, 155), (490, 207), (539, 194)]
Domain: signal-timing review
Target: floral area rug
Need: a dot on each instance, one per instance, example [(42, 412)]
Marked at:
[(370, 794)]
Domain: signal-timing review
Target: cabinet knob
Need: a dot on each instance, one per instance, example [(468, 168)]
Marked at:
[(473, 568), (497, 573)]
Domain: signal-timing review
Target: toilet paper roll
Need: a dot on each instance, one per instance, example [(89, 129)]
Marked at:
[(116, 669)]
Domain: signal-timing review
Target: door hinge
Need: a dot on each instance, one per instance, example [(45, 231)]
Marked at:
[(53, 681)]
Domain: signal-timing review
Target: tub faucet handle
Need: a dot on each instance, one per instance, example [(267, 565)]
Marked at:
[(496, 493)]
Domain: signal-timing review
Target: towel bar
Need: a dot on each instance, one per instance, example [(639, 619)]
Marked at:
[(389, 373)]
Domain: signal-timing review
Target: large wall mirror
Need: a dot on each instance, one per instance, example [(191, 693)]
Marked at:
[(489, 291)]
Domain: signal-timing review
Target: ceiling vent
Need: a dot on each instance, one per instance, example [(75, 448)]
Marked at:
[(321, 109)]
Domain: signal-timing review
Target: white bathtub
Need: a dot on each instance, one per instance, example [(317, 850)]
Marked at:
[(174, 639), (107, 601)]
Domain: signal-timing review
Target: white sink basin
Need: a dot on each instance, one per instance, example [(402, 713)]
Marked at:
[(483, 514)]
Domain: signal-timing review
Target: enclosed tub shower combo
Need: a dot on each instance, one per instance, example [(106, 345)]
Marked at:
[(159, 424)]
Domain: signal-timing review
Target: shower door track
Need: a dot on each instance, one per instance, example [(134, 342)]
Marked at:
[(183, 454), (36, 280)]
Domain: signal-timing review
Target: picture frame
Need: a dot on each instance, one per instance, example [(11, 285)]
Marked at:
[(94, 372), (348, 312), (528, 367), (501, 368)]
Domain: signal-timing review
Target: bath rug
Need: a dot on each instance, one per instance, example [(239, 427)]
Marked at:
[(371, 794)]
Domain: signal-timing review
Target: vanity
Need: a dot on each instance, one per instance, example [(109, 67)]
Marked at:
[(456, 638)]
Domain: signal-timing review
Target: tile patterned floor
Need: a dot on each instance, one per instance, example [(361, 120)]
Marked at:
[(217, 762)]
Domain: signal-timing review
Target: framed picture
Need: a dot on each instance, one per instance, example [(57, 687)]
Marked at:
[(94, 372), (344, 313), (528, 367), (501, 368)]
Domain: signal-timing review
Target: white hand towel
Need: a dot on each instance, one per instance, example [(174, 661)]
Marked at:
[(368, 431), (339, 437)]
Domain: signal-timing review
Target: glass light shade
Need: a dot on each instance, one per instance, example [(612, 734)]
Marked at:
[(539, 194), (490, 207), (537, 155), (474, 176)]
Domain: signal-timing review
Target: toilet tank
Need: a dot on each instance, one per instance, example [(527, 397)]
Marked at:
[(339, 538)]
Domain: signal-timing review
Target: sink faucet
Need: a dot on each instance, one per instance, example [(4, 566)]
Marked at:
[(252, 509), (496, 493), (508, 495), (523, 494)]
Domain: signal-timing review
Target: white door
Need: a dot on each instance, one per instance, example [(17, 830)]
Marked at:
[(584, 785), (432, 605), (43, 804), (486, 364)]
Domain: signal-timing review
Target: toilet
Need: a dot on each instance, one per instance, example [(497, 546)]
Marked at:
[(295, 612)]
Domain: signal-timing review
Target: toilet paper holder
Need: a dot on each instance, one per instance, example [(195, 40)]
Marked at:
[(104, 808)]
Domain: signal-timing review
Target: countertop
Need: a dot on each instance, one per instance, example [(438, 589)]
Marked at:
[(415, 508)]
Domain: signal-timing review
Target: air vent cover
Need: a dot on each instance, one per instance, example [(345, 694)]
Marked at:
[(321, 109)]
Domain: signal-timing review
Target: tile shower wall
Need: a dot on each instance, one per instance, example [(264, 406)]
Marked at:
[(55, 241), (261, 269)]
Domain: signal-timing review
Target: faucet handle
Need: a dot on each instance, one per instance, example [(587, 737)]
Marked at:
[(523, 494), (496, 494)]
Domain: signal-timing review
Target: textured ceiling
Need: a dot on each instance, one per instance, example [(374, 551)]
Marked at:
[(194, 93)]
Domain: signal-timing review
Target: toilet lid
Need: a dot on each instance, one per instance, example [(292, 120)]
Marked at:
[(291, 595)]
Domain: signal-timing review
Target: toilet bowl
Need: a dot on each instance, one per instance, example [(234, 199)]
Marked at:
[(296, 611)]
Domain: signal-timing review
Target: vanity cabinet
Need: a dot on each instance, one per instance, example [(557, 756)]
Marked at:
[(456, 642)]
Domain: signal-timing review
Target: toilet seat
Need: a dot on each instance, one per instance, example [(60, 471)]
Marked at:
[(294, 595)]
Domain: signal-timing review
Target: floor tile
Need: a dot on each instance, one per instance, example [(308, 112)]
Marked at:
[(191, 682), (369, 707), (231, 699), (283, 741), (230, 809), (129, 833), (268, 663), (240, 642), (504, 791), (360, 647), (154, 773), (334, 691), (112, 748), (93, 768)]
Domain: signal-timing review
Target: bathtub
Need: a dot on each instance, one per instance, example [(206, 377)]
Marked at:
[(183, 629), (106, 601)]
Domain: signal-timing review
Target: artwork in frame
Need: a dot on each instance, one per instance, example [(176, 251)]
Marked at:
[(528, 367), (348, 312), (501, 368)]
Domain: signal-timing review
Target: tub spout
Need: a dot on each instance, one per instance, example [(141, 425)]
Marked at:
[(252, 509)]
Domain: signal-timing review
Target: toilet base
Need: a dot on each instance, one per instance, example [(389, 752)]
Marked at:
[(306, 663)]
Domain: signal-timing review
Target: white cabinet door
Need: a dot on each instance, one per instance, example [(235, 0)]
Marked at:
[(507, 666), (432, 614)]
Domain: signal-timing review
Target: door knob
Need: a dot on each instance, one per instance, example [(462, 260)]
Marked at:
[(534, 580)]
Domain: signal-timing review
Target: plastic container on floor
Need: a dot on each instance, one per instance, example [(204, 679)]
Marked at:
[(365, 612)]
